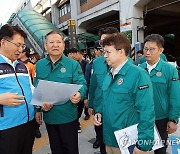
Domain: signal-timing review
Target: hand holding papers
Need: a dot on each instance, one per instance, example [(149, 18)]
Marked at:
[(127, 137), (46, 106), (53, 92), (75, 98)]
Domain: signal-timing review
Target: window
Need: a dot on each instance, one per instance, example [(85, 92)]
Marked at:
[(64, 9), (68, 8)]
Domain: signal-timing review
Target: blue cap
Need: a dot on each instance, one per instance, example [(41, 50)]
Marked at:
[(97, 45)]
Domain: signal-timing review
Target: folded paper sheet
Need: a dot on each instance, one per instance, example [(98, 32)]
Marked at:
[(53, 92), (127, 137)]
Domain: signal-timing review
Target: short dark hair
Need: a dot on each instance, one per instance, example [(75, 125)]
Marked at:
[(54, 32), (107, 30), (73, 50), (140, 51), (118, 40), (36, 55), (7, 31), (155, 38)]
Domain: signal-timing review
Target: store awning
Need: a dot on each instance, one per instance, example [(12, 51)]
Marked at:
[(81, 46), (87, 37), (37, 25), (11, 18)]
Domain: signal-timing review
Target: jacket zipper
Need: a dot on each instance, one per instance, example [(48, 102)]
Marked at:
[(23, 95)]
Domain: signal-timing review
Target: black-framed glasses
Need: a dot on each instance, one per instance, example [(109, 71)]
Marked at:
[(16, 44), (149, 49), (108, 52)]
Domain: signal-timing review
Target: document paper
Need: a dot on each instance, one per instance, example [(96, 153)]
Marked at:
[(53, 92), (127, 137)]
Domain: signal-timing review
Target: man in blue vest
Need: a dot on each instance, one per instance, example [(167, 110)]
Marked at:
[(17, 124)]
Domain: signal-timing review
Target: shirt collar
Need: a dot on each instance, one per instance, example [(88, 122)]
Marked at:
[(58, 61), (9, 61), (151, 67), (117, 69)]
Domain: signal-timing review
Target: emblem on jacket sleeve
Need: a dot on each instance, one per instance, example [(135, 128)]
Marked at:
[(175, 79), (143, 87)]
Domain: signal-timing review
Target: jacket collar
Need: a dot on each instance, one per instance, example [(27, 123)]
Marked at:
[(60, 61), (158, 67), (125, 68), (3, 59)]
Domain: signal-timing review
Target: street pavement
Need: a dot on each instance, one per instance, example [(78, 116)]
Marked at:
[(86, 139)]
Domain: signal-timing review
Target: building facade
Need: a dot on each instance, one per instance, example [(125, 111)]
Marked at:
[(137, 18)]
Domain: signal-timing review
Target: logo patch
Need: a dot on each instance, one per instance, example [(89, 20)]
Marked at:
[(63, 70), (175, 79), (120, 81), (143, 87), (158, 74), (125, 141)]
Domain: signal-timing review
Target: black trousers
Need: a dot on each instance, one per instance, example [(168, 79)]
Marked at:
[(162, 126), (86, 110), (99, 137), (63, 138), (80, 107), (18, 140)]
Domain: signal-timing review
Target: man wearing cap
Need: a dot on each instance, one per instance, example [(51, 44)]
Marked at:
[(98, 52), (77, 55), (24, 57)]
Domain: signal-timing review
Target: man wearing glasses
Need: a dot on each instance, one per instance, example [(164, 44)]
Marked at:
[(17, 124), (127, 97), (166, 87)]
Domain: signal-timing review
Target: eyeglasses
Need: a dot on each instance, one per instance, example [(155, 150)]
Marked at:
[(150, 49), (18, 45), (108, 52)]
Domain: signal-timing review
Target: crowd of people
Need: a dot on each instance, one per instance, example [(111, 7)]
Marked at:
[(115, 91)]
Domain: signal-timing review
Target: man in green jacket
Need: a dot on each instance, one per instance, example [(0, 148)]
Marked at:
[(99, 70), (127, 97), (166, 87), (60, 120)]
